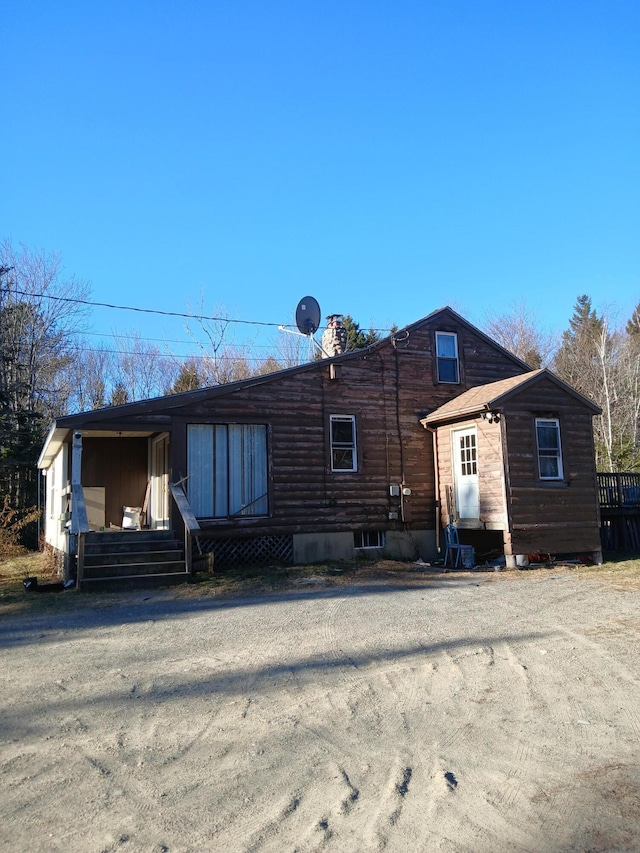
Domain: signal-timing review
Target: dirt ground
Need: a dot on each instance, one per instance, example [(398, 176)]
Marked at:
[(391, 710)]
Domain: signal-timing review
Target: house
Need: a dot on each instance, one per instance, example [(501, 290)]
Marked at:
[(372, 450)]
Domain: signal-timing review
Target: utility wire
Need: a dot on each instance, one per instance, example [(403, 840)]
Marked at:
[(192, 343), (172, 357), (160, 312), (144, 310)]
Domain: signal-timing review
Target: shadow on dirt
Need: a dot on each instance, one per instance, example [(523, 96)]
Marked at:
[(72, 611), (224, 682)]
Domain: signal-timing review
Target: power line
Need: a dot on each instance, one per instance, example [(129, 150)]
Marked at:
[(172, 357), (145, 310), (192, 343), (183, 315)]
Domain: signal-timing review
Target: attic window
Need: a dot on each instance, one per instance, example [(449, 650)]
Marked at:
[(447, 357)]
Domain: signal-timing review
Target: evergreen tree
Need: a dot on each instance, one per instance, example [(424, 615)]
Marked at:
[(356, 337), (190, 378), (119, 395), (576, 360), (633, 324)]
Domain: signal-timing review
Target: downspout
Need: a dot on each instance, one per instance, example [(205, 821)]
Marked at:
[(39, 476), (436, 481)]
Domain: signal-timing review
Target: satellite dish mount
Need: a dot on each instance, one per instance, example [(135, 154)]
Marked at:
[(307, 321)]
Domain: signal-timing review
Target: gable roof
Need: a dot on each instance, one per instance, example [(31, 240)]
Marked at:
[(486, 397), (458, 318), (172, 401), (157, 405)]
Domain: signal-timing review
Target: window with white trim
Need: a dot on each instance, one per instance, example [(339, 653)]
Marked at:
[(227, 467), (343, 443), (549, 449), (447, 357)]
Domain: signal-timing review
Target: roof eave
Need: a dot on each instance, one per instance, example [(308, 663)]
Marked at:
[(53, 442)]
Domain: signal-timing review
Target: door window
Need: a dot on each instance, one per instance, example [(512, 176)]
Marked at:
[(466, 473), (468, 454)]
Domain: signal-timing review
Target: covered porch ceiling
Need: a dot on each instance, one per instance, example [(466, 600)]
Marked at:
[(58, 436)]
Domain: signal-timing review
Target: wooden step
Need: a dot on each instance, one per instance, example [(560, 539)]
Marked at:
[(127, 535), (112, 584), (134, 569), (105, 558), (114, 559)]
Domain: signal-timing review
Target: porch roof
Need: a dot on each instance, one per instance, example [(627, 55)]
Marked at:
[(58, 435), (489, 397)]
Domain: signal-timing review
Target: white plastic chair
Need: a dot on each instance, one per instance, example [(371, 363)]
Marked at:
[(453, 548)]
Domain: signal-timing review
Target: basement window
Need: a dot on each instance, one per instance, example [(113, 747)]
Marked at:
[(368, 539), (447, 357), (549, 449)]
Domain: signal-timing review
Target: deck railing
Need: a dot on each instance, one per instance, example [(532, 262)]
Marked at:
[(619, 491), (619, 496)]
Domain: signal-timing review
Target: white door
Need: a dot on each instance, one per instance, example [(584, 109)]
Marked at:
[(465, 455), (159, 498)]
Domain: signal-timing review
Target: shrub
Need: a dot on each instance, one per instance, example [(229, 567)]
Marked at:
[(12, 523)]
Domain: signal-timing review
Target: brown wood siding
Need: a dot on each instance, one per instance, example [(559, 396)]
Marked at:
[(493, 509), (490, 471), (120, 465), (388, 389), (551, 517)]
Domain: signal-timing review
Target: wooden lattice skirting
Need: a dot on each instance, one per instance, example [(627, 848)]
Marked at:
[(261, 550)]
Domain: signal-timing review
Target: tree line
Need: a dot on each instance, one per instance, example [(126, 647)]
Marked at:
[(597, 357), (47, 368)]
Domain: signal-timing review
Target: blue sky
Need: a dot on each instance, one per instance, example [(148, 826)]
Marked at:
[(386, 158)]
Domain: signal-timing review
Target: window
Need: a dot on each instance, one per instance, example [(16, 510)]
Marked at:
[(549, 449), (343, 443), (227, 467), (369, 539), (468, 454), (447, 357)]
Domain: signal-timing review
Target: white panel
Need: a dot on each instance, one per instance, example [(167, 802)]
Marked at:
[(221, 472), (257, 463), (200, 469)]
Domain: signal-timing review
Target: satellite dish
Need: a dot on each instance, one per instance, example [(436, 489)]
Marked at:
[(307, 315)]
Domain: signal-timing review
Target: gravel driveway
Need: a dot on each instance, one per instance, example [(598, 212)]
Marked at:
[(460, 712)]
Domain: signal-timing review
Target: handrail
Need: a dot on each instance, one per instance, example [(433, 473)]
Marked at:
[(79, 527), (188, 519), (79, 519)]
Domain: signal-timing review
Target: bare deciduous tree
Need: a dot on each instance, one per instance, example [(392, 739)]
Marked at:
[(519, 331), (38, 318), (139, 368)]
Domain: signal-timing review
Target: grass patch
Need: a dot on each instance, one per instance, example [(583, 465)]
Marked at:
[(12, 573), (620, 572), (264, 579)]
